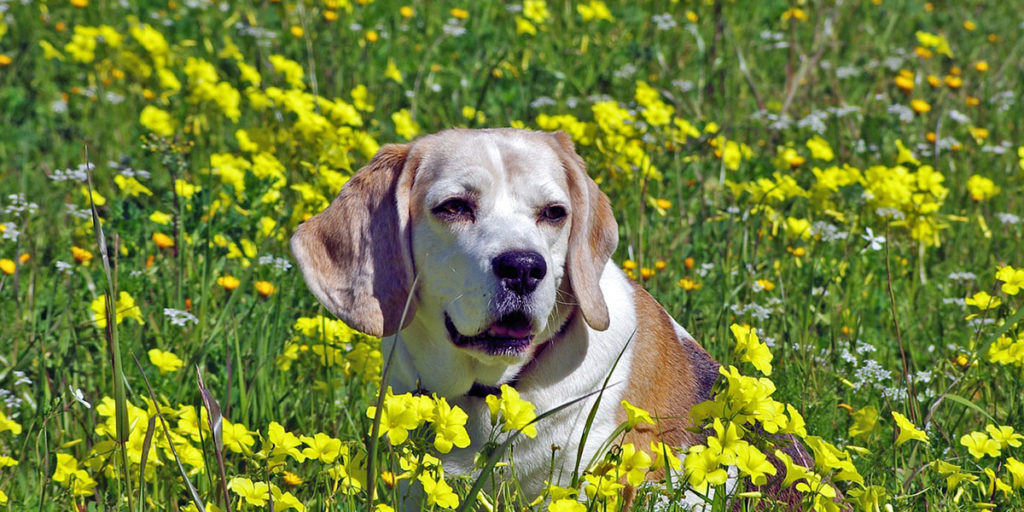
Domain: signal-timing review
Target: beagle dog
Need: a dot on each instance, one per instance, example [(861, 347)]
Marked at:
[(482, 257)]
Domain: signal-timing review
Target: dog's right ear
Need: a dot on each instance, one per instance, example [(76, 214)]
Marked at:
[(355, 255)]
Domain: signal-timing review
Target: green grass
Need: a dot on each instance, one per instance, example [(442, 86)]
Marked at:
[(829, 296)]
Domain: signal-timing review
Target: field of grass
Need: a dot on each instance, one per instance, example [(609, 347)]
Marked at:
[(845, 177)]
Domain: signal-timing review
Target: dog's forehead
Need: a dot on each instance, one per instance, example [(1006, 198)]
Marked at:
[(512, 156)]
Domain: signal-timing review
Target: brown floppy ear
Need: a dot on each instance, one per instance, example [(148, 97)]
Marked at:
[(355, 255), (593, 235)]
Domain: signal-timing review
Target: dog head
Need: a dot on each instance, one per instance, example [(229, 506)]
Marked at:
[(488, 238)]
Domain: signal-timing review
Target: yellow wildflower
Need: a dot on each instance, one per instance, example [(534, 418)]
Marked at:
[(165, 361), (908, 430), (124, 308)]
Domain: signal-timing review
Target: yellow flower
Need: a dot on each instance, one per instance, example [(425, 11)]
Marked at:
[(920, 106), (753, 463), (983, 301), (80, 3), (864, 421), (981, 188), (131, 186), (321, 447), (161, 218), (704, 468), (7, 266), (296, 31), (7, 424), (228, 282), (292, 479), (905, 83), (459, 13), (393, 73), (981, 66), (594, 10), (523, 26), (980, 445), (969, 25), (96, 197), (5, 60), (398, 416), (764, 284), (265, 288), (125, 307), (820, 150), (253, 493), (634, 463), (798, 228), (184, 189), (750, 349), (371, 36), (566, 505), (406, 11), (162, 241), (936, 42), (908, 430), (536, 10), (636, 415), (689, 284), (157, 121), (438, 491), (404, 125), (449, 426), (518, 413), (165, 361), (1013, 279), (1004, 435), (794, 13)]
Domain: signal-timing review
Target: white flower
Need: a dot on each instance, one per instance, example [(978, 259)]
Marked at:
[(180, 318), (874, 242), (79, 397)]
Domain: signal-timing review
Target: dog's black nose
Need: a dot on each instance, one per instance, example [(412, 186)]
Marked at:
[(520, 271)]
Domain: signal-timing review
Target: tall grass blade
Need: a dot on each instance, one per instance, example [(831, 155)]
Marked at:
[(113, 347), (193, 494), (216, 422)]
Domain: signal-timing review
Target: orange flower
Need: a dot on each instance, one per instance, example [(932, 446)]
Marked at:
[(162, 241), (265, 289), (688, 263), (81, 255)]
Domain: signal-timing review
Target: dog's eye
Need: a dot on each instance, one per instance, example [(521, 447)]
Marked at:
[(553, 213), (455, 208)]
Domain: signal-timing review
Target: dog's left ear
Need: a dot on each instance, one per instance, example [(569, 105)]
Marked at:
[(355, 254), (593, 235)]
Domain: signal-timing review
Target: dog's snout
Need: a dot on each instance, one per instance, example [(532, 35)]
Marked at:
[(520, 271)]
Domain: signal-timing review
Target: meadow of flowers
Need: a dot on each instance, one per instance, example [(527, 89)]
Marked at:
[(827, 194)]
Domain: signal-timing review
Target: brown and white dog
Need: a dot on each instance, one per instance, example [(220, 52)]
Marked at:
[(501, 245)]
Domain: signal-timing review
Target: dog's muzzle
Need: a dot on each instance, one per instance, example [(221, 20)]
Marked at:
[(509, 336)]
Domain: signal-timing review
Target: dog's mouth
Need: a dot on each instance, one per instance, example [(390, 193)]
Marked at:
[(509, 336)]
